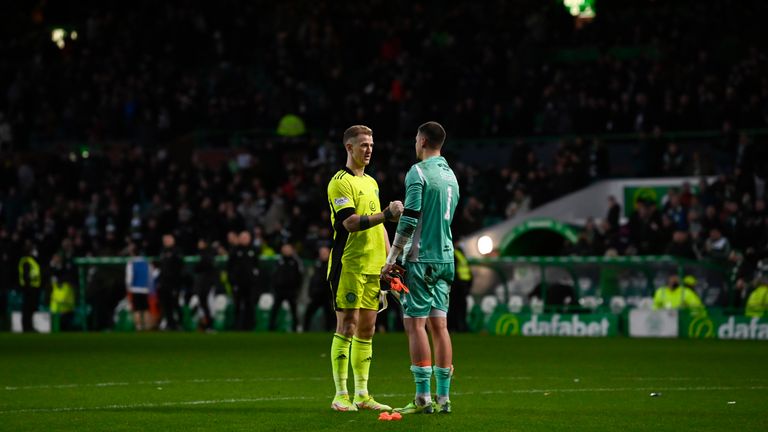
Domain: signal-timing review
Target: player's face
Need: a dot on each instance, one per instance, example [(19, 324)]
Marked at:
[(362, 149)]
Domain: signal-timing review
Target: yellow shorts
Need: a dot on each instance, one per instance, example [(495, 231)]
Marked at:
[(356, 291)]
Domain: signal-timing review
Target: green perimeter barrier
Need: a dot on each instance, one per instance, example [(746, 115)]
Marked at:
[(598, 278), (591, 284), (222, 321), (717, 325)]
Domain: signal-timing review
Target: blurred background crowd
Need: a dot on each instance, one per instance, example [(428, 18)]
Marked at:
[(143, 119)]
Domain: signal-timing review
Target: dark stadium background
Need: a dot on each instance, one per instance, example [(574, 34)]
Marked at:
[(121, 121)]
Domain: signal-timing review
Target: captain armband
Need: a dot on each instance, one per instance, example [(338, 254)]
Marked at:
[(412, 213)]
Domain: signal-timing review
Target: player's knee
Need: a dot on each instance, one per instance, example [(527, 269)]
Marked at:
[(365, 332), (438, 324), (347, 328)]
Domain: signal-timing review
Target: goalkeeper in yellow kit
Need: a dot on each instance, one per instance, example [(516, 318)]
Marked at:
[(360, 246)]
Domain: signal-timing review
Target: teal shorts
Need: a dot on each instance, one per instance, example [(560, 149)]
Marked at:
[(429, 285)]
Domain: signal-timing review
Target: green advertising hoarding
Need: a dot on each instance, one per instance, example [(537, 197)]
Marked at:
[(723, 327), (633, 194), (575, 325)]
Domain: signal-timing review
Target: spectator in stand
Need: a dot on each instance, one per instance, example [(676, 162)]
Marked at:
[(170, 280), (205, 279), (138, 283), (286, 283), (673, 161), (320, 297), (613, 217), (717, 247), (681, 246), (243, 270)]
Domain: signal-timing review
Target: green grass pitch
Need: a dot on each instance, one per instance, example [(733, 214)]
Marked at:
[(281, 382)]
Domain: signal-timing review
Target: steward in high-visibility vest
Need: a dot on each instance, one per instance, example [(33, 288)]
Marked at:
[(676, 296), (29, 273), (63, 277), (463, 272), (757, 303), (62, 297), (30, 281), (457, 297)]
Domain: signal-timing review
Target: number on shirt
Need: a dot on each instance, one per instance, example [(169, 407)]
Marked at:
[(448, 207)]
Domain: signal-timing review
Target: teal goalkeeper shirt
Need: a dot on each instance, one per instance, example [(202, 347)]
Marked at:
[(431, 195)]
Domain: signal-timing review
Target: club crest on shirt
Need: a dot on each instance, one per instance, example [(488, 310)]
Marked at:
[(340, 201), (372, 205)]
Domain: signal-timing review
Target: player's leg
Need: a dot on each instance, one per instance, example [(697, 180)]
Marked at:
[(441, 338), (346, 323), (416, 307), (362, 344), (346, 289)]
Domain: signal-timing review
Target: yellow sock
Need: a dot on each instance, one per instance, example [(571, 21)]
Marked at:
[(362, 354), (340, 362)]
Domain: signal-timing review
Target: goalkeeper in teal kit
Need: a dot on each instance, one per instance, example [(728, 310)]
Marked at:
[(424, 238)]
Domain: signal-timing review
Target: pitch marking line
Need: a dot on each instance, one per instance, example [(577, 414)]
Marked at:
[(158, 382), (290, 398), (152, 405)]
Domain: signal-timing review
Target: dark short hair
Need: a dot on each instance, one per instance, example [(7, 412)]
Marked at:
[(434, 134), (354, 131)]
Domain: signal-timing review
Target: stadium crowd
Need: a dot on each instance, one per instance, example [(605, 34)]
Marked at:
[(138, 76), (145, 72)]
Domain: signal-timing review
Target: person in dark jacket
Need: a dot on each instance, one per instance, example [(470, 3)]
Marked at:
[(243, 269), (170, 281), (205, 279), (320, 292), (286, 282)]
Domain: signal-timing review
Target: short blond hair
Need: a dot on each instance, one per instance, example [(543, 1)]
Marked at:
[(356, 130)]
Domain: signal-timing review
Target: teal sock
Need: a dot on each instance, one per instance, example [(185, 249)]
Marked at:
[(443, 378), (422, 376)]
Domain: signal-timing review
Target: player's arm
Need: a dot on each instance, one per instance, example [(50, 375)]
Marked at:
[(414, 187), (340, 197), (386, 241), (355, 222)]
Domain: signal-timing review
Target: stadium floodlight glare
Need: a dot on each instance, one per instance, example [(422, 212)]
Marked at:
[(580, 8), (58, 36), (484, 245)]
